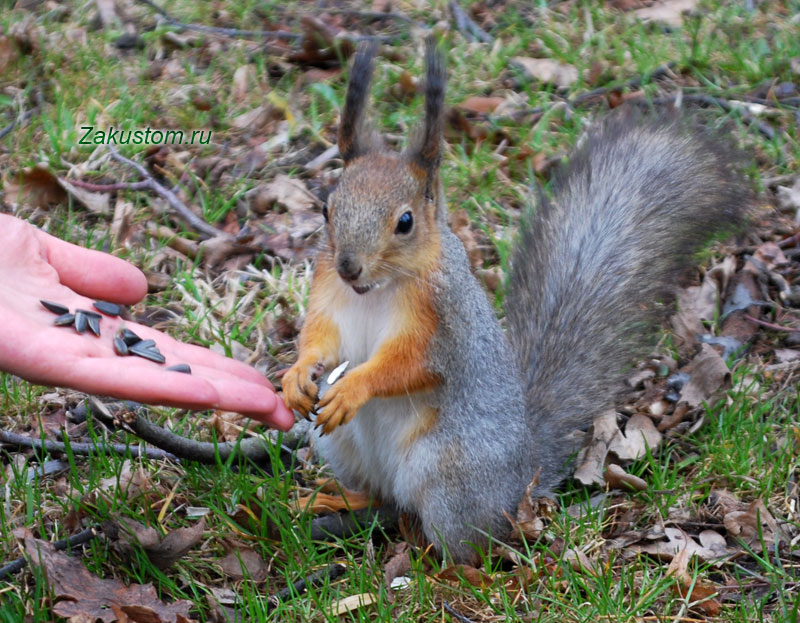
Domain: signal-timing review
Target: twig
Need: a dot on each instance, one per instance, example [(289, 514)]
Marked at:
[(107, 188), (348, 524), (249, 34), (84, 536), (455, 613), (633, 83), (710, 100), (190, 217), (331, 572), (255, 449), (226, 32), (20, 121), (770, 325), (790, 241), (384, 15), (467, 26), (81, 449)]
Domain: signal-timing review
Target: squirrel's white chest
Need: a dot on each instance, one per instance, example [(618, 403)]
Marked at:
[(364, 321)]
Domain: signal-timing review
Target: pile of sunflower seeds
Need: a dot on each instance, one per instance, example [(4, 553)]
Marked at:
[(126, 342)]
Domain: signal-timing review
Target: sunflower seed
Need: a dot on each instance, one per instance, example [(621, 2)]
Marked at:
[(337, 372), (111, 309), (181, 367), (94, 324), (147, 353), (81, 321), (147, 344), (64, 320), (129, 337), (56, 308), (120, 347)]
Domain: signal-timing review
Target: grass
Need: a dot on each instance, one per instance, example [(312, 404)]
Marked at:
[(748, 444)]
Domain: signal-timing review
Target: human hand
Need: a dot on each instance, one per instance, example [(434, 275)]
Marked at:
[(35, 266)]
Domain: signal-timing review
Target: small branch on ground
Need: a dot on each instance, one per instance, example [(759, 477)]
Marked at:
[(377, 15), (84, 536), (108, 188), (22, 119), (466, 26), (255, 449), (81, 449), (347, 524), (248, 34), (633, 83), (330, 573), (770, 325), (455, 613), (170, 197)]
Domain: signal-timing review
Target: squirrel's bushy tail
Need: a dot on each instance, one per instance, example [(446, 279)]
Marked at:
[(637, 201)]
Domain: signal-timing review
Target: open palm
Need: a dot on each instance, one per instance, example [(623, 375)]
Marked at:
[(35, 266)]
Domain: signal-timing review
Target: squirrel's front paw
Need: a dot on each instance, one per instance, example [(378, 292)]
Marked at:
[(299, 389), (341, 402)]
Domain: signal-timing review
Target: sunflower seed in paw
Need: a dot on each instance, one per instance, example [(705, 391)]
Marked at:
[(337, 372), (110, 309), (120, 347), (64, 320), (147, 353), (81, 321), (129, 336), (56, 308), (181, 367)]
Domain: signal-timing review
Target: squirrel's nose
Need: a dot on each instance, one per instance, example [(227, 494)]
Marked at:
[(349, 268)]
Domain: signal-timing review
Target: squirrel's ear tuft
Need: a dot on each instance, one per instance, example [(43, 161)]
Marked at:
[(354, 139), (426, 153)]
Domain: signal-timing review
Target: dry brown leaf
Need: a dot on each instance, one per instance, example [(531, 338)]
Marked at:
[(460, 224), (162, 551), (753, 525), (785, 355), (398, 565), (693, 590), (352, 602), (122, 221), (707, 374), (252, 119), (666, 11), (244, 562), (36, 187), (481, 105), (330, 503), (533, 514), (678, 541), (95, 202), (176, 545), (640, 434), (8, 53), (283, 193), (618, 478), (455, 573), (81, 596), (592, 459), (243, 77), (547, 70)]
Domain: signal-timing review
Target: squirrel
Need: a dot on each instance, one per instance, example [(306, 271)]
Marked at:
[(441, 414)]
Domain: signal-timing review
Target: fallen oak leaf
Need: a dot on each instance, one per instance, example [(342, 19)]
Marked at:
[(455, 573), (82, 596), (697, 592)]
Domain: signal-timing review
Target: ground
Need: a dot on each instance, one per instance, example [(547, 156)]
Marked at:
[(526, 80)]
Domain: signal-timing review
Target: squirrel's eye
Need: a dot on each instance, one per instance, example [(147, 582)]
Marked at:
[(405, 223), (325, 212)]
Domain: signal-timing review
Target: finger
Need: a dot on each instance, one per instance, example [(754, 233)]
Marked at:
[(92, 273), (146, 382)]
